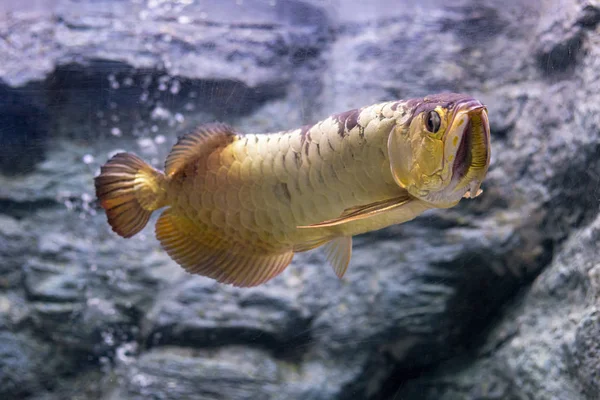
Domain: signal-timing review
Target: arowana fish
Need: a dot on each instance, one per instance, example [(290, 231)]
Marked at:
[(241, 205)]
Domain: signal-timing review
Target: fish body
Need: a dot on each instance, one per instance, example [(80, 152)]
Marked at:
[(240, 205)]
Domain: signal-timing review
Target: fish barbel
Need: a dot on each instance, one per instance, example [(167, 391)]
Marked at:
[(241, 205)]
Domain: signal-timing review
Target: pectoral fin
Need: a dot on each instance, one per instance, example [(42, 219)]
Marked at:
[(339, 252), (361, 212)]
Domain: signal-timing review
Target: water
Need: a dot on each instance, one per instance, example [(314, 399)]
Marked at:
[(495, 298)]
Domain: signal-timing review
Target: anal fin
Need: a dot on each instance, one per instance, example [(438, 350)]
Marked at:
[(338, 253), (205, 254)]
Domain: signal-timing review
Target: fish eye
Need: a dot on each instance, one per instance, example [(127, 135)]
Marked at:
[(433, 121)]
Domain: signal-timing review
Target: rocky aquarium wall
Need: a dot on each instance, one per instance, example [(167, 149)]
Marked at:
[(494, 299)]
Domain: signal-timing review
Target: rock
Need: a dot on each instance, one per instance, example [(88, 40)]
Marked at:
[(543, 346), (251, 44), (235, 373), (586, 355), (16, 373), (161, 69), (13, 247), (203, 314), (562, 41), (29, 122), (28, 366)]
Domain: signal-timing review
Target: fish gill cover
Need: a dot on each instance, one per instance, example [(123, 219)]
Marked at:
[(492, 299)]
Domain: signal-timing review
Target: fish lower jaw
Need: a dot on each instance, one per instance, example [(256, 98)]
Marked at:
[(466, 187), (444, 198)]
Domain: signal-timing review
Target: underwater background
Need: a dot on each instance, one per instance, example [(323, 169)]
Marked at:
[(496, 298)]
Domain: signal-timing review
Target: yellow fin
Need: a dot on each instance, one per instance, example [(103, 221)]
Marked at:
[(208, 255), (129, 190), (468, 195), (198, 144), (361, 212), (339, 252)]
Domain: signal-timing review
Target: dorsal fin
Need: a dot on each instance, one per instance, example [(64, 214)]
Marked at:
[(197, 144)]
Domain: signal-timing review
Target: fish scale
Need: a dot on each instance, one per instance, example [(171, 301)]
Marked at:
[(315, 190)]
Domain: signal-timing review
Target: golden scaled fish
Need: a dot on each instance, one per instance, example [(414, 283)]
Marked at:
[(241, 205)]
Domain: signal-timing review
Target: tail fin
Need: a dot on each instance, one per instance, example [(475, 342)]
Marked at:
[(129, 190)]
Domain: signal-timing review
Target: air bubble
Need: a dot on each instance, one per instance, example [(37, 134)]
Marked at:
[(86, 198), (175, 87), (116, 131), (145, 142), (69, 204), (160, 113), (88, 159), (108, 338)]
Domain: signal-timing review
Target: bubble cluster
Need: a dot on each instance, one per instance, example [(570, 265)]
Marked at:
[(80, 203)]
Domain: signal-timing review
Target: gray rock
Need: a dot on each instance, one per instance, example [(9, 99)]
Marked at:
[(254, 43), (162, 63), (204, 314), (586, 354), (237, 373), (544, 346), (28, 365)]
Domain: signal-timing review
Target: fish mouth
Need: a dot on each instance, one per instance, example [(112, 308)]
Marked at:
[(462, 160), (472, 156)]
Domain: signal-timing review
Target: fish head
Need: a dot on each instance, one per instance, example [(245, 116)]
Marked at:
[(440, 151)]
